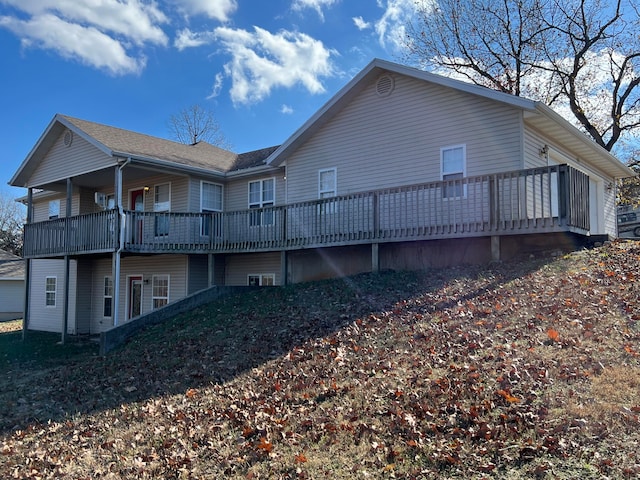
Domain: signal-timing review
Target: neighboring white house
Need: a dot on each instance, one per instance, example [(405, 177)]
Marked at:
[(400, 169), (11, 286)]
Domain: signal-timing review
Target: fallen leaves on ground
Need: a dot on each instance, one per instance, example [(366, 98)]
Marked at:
[(524, 369)]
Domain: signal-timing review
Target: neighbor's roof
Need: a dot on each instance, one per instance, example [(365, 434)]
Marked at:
[(11, 266), (537, 114), (118, 142)]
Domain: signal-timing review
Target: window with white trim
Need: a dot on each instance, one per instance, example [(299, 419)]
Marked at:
[(327, 188), (107, 306), (327, 180), (160, 290), (210, 202), (453, 167), (54, 209), (261, 279), (50, 291), (262, 194), (162, 204)]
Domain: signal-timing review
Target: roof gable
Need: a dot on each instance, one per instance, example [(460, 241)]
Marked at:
[(551, 124)]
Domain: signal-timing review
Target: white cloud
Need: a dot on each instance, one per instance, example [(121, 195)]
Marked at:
[(286, 109), (262, 61), (132, 19), (215, 9), (391, 28), (87, 44), (217, 86), (316, 5), (360, 23), (99, 33), (187, 39)]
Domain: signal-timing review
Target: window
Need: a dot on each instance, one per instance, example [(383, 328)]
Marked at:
[(210, 201), (50, 291), (54, 209), (262, 193), (160, 291), (327, 180), (453, 168), (261, 279), (327, 183), (108, 297), (162, 203)]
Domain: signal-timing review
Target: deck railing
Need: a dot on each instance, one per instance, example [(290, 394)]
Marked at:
[(554, 198)]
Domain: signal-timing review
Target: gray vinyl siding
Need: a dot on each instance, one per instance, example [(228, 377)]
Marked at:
[(384, 142), (42, 317), (101, 269), (84, 295), (198, 273), (236, 196), (173, 265), (63, 162), (11, 299), (238, 267)]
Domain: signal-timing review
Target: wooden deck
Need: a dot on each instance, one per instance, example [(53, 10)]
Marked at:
[(549, 199)]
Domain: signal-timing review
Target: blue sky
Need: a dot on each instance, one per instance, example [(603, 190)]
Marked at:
[(262, 66)]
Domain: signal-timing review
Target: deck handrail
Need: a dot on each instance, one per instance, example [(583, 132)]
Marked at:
[(542, 199)]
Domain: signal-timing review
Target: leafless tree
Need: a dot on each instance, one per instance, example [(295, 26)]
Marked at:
[(197, 124), (12, 217), (578, 55)]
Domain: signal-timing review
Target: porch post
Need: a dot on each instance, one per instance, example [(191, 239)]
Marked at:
[(27, 268), (115, 261), (284, 267), (67, 261), (495, 248), (375, 258)]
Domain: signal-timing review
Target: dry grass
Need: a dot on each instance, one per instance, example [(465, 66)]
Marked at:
[(521, 370)]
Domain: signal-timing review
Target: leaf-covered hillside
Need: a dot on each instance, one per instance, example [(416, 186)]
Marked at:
[(527, 369)]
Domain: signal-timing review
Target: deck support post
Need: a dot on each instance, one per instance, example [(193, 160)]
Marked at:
[(27, 269), (375, 258), (495, 248), (119, 232), (284, 268), (67, 261), (211, 266)]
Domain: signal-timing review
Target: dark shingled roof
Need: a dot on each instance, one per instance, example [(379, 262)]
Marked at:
[(11, 266), (201, 155), (255, 158)]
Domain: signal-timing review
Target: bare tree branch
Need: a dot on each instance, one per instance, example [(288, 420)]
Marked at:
[(196, 124)]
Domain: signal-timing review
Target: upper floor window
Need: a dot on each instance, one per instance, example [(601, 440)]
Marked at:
[(210, 201), (54, 209), (262, 193), (327, 180), (162, 203), (453, 167)]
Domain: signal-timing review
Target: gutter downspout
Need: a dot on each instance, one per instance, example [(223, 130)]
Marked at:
[(120, 246)]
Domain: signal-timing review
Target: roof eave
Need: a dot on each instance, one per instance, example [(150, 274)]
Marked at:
[(613, 166)]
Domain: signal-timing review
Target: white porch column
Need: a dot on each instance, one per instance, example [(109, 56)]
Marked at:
[(27, 269), (115, 261), (67, 261)]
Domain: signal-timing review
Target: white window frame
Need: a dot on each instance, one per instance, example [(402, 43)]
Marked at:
[(449, 172), (54, 209), (261, 218), (205, 223), (107, 294), (161, 224), (264, 279), (48, 291), (155, 297), (328, 192)]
